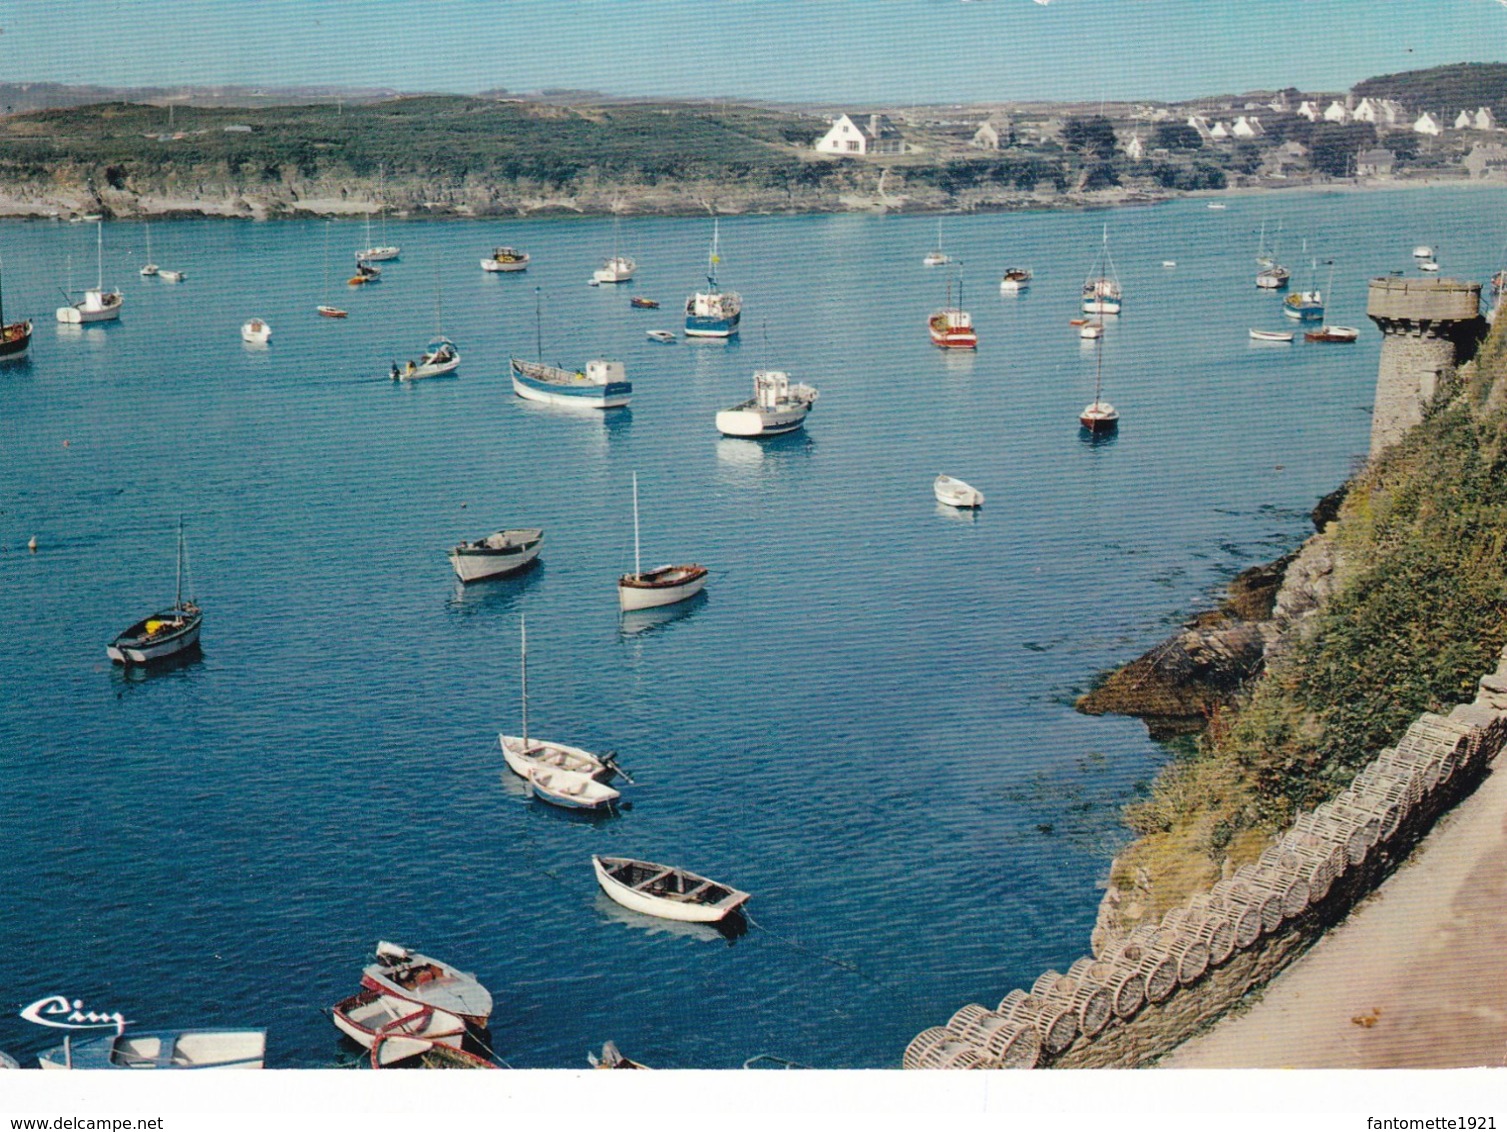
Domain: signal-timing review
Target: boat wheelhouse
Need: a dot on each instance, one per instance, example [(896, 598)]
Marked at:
[(778, 406)]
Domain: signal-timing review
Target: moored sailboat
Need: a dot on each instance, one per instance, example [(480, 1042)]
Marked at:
[(1306, 306), (163, 634), (325, 309), (1099, 416), (601, 385), (1101, 290), (98, 304), (665, 585), (15, 337), (379, 253)]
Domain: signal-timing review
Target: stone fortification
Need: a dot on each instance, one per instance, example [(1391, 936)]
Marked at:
[(1429, 327), (1140, 995)]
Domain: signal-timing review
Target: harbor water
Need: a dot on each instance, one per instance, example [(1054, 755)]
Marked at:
[(866, 721)]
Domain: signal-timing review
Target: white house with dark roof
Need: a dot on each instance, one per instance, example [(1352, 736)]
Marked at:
[(1376, 162), (1309, 110), (1428, 124), (859, 135)]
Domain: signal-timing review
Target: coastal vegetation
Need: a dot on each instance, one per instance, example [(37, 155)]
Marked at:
[(1420, 611), (1455, 86)]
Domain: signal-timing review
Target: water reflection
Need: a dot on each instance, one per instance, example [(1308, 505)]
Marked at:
[(957, 514), (727, 930), (128, 675), (1097, 439), (641, 622), (494, 595), (958, 363), (751, 460)]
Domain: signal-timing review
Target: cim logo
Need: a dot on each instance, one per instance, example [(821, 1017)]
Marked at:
[(61, 1013)]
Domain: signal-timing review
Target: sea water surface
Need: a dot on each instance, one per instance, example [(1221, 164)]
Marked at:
[(866, 722)]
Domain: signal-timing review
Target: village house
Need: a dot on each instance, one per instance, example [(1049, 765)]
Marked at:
[(1486, 160), (991, 134), (1485, 119), (1428, 124), (1201, 125), (1337, 112), (1248, 127), (1376, 162), (1465, 120), (1309, 110), (861, 135), (1284, 159), (1219, 132), (1135, 148)]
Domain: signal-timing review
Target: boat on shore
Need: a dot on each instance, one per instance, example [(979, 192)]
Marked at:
[(956, 493), (161, 1049), (778, 406), (665, 891), (1015, 280), (395, 1029), (403, 974), (98, 304), (500, 553), (506, 259), (163, 634), (713, 313), (1332, 334), (666, 585)]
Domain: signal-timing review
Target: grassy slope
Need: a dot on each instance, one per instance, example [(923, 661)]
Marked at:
[(1422, 612)]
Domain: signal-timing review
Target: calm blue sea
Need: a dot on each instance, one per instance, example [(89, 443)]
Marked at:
[(866, 722)]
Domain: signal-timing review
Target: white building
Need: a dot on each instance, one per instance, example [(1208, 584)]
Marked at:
[(1248, 127), (1337, 112), (1219, 131), (1485, 119), (1135, 148), (861, 135), (1428, 124), (991, 134), (1367, 110), (1464, 121), (1201, 125), (1309, 110)]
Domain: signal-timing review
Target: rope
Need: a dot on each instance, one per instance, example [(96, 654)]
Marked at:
[(843, 964)]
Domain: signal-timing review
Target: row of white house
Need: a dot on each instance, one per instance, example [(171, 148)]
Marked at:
[(1387, 112)]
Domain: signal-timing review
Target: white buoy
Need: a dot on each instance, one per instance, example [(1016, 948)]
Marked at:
[(31, 544)]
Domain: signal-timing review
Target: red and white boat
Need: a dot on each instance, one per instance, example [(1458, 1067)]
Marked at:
[(1332, 334), (407, 975), (393, 1028), (952, 327)]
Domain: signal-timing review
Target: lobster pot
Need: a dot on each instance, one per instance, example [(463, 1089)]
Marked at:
[(1191, 955), (1389, 770), (1252, 910), (1457, 741), (1335, 833), (1347, 804), (1361, 830), (1427, 756), (1311, 869), (1286, 885), (940, 1048), (1089, 1003), (1327, 860), (1056, 1027), (1008, 1044), (1245, 921), (1392, 805), (1155, 966), (1125, 985), (1217, 935)]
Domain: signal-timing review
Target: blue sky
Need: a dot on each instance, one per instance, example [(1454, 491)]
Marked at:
[(894, 51)]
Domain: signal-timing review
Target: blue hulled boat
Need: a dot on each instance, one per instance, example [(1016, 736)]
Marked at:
[(713, 313)]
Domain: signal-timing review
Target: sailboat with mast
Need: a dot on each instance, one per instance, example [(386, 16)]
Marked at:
[(713, 313), (1099, 416), (166, 633), (618, 268), (98, 305), (15, 337), (664, 585), (1101, 290), (936, 257), (528, 758), (1330, 332), (951, 327), (1306, 306), (440, 356), (378, 253), (149, 268), (1272, 276), (325, 309), (601, 385)]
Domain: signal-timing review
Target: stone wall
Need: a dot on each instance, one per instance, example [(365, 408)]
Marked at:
[(1144, 994)]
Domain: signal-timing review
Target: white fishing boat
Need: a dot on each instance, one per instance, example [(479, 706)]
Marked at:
[(617, 269), (1423, 251), (256, 332), (956, 493), (407, 975), (1099, 416), (665, 891), (98, 304), (149, 268), (778, 406), (170, 276), (395, 1028), (1271, 335), (506, 259), (164, 634), (1101, 290), (713, 313), (1015, 280), (664, 336), (951, 327), (1428, 265), (665, 585), (439, 357), (571, 791), (502, 552), (524, 755), (1169, 263), (161, 1049)]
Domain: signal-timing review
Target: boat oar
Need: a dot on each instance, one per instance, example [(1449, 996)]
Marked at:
[(610, 760)]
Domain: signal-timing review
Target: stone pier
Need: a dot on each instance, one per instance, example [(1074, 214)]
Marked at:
[(1430, 326)]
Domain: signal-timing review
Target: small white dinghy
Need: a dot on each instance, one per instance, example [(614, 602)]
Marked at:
[(407, 975), (255, 332), (1423, 251), (665, 891), (571, 791), (1271, 335), (501, 552), (665, 336), (394, 1028), (956, 493)]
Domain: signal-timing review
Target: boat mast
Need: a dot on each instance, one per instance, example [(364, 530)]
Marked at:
[(538, 328), (713, 257), (637, 570), (2, 299), (100, 233), (327, 263), (1098, 367), (178, 597), (523, 663)]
